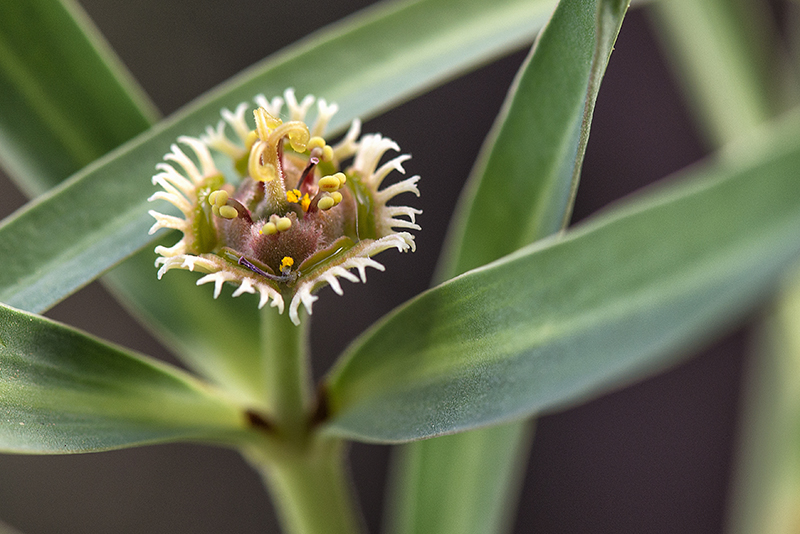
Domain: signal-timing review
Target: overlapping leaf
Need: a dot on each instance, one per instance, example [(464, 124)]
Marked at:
[(64, 392), (99, 217), (522, 188), (562, 320)]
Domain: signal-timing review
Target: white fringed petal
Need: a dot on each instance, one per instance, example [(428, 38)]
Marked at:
[(184, 172)]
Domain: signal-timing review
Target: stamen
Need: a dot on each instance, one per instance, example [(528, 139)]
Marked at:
[(228, 212), (312, 162), (330, 183), (326, 203), (245, 263)]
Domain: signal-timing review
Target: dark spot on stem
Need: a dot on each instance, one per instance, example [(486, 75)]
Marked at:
[(258, 421), (321, 411)]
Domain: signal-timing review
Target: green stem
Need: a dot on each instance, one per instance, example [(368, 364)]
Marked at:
[(305, 474), (311, 488), (286, 371)]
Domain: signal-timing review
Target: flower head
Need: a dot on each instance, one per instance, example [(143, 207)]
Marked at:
[(295, 218)]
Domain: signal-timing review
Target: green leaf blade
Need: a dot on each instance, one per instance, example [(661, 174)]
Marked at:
[(60, 87), (563, 320), (108, 199), (525, 181), (522, 188), (64, 392)]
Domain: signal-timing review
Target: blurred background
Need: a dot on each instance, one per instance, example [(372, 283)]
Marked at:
[(655, 457)]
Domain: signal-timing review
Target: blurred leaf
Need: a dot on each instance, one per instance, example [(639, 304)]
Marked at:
[(63, 392), (468, 478), (373, 60), (725, 54), (59, 85), (766, 496), (522, 188), (565, 319), (6, 529), (365, 64)]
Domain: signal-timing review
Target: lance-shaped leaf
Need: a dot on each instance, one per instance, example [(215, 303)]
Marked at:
[(522, 187), (565, 319), (66, 99), (63, 392), (373, 60), (99, 217)]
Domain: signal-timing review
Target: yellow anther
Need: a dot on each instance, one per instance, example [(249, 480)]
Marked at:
[(228, 212), (315, 142), (326, 203), (293, 195), (342, 178), (327, 153), (286, 263), (337, 197), (283, 224), (269, 229), (305, 202), (218, 198), (329, 183)]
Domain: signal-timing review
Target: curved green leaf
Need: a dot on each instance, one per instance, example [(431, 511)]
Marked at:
[(522, 187), (459, 483), (565, 319), (59, 85), (70, 235), (64, 392), (526, 177), (732, 40), (399, 61)]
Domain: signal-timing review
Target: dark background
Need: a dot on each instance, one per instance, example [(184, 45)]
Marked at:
[(655, 457)]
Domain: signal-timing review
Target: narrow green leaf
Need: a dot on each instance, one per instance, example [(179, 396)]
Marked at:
[(522, 188), (562, 320), (482, 464), (766, 493), (64, 392), (525, 180), (69, 236), (59, 86), (725, 52)]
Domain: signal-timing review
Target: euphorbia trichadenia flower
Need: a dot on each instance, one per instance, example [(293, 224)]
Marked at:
[(295, 218)]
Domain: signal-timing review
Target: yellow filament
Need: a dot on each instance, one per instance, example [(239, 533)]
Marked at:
[(265, 122), (296, 131)]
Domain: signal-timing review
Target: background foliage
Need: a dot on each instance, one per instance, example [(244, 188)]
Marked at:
[(581, 457)]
